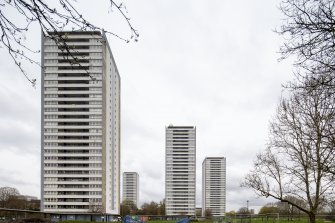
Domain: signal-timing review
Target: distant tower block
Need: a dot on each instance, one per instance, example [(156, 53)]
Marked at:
[(214, 185), (130, 189), (180, 171)]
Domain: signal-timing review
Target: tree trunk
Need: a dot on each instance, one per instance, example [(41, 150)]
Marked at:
[(312, 218)]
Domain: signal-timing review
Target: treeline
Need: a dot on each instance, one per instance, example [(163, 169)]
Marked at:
[(285, 208), (11, 198), (152, 208)]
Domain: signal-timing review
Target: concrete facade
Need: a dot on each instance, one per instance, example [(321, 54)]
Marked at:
[(130, 187), (214, 186), (80, 135), (180, 170)]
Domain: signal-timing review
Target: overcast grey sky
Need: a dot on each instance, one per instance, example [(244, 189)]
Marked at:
[(212, 64)]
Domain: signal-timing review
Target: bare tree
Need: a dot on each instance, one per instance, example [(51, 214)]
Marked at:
[(287, 209), (128, 207), (95, 207), (301, 142), (161, 207), (17, 16), (6, 194), (208, 213), (331, 207), (243, 210), (151, 208), (308, 30), (269, 208)]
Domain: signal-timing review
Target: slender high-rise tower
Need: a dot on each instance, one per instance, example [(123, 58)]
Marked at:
[(80, 124), (130, 187), (214, 186), (180, 170)]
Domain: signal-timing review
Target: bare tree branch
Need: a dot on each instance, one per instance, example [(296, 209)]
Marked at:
[(60, 17), (309, 32)]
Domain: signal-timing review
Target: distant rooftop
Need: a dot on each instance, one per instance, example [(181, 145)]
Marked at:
[(180, 127), (79, 32)]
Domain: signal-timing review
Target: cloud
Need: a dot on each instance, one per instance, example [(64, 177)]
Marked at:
[(19, 136), (9, 177), (20, 110), (20, 171)]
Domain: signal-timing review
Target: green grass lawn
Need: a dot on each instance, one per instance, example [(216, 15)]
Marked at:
[(256, 220), (238, 220), (276, 220)]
